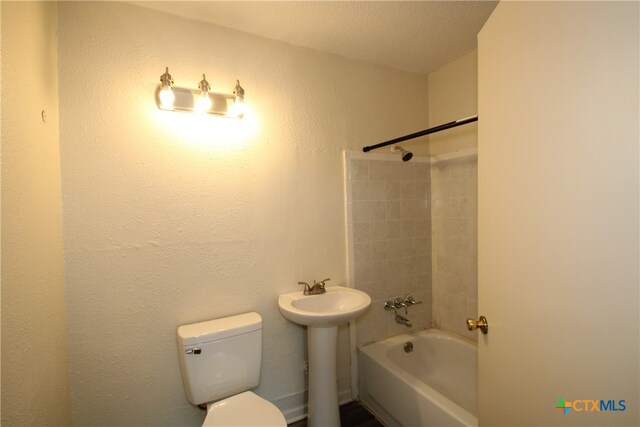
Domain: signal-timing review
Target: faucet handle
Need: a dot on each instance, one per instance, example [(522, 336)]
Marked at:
[(307, 288), (399, 302), (388, 306), (321, 282), (408, 300)]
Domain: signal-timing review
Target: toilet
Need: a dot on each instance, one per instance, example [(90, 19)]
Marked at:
[(220, 362)]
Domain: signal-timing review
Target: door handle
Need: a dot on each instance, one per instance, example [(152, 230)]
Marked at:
[(481, 324)]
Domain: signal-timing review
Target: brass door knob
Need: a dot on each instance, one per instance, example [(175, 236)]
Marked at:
[(481, 324)]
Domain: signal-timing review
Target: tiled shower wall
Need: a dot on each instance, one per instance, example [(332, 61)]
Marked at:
[(454, 197), (404, 219), (389, 234)]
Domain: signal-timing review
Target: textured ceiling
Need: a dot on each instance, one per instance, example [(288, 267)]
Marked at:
[(417, 36)]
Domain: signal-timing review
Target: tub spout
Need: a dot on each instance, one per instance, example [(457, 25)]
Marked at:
[(403, 320)]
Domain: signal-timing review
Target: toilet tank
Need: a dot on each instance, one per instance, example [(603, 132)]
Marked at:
[(220, 357)]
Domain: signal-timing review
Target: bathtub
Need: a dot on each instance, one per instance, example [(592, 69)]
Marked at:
[(434, 385)]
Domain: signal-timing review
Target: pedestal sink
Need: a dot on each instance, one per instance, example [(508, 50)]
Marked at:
[(322, 314)]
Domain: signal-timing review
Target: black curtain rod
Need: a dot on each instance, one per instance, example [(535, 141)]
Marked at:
[(434, 129)]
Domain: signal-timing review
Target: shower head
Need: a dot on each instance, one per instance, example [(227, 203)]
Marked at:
[(406, 155)]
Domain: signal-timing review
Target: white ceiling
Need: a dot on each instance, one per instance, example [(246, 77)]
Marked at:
[(416, 36)]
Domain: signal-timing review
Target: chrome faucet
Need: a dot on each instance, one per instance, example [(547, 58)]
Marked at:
[(317, 288), (400, 319), (403, 320)]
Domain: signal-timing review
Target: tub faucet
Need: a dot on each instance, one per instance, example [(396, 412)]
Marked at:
[(400, 319), (403, 320)]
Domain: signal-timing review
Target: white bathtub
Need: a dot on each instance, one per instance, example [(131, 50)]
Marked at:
[(434, 385)]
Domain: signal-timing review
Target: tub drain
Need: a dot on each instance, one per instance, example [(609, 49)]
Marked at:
[(408, 347)]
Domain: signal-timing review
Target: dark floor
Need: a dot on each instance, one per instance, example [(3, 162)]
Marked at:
[(352, 414)]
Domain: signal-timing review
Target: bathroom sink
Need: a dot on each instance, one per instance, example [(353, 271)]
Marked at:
[(336, 306), (322, 314)]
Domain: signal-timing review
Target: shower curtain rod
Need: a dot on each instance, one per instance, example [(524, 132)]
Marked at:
[(434, 129)]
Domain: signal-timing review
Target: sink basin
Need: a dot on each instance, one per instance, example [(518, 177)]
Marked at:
[(336, 306)]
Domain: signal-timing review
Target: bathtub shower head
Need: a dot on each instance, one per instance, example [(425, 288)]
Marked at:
[(406, 155)]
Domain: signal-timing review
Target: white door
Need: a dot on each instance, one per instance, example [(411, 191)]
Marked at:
[(558, 214)]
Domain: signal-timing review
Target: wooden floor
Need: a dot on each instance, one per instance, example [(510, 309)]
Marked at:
[(351, 415)]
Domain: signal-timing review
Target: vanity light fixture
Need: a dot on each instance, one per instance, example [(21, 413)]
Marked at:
[(202, 100)]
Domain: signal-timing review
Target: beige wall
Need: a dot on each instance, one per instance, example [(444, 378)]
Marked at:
[(172, 218), (558, 211), (453, 95), (35, 382)]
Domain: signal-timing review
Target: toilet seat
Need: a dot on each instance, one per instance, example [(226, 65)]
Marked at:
[(244, 409)]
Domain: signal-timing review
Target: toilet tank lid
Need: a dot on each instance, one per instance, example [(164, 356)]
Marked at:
[(217, 329)]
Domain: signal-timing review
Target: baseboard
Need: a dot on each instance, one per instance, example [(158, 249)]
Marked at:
[(294, 406)]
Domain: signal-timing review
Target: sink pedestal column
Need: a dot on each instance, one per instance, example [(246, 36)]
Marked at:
[(323, 388), (322, 314)]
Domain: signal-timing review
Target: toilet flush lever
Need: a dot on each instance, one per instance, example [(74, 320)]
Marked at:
[(195, 350)]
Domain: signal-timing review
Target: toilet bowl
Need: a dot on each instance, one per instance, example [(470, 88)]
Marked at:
[(244, 409), (220, 362)]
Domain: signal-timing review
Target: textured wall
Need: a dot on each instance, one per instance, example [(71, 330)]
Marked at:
[(171, 218), (35, 382), (388, 216), (453, 94)]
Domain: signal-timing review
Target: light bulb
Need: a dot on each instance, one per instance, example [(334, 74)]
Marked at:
[(166, 94), (237, 109), (203, 104), (166, 98)]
